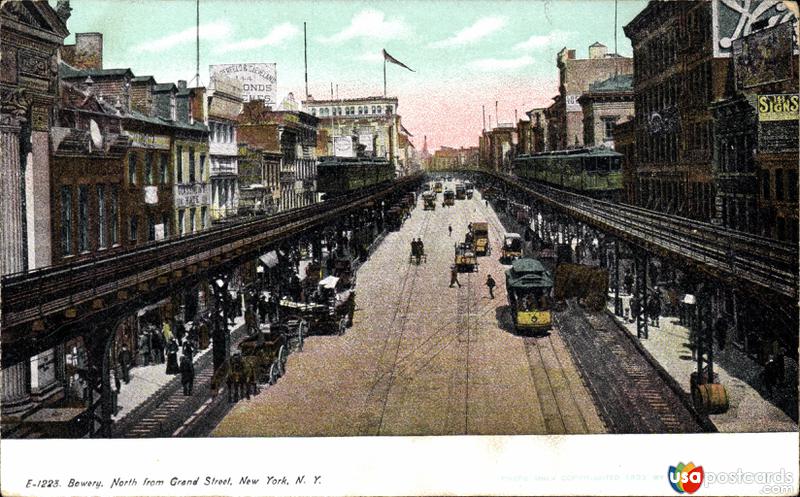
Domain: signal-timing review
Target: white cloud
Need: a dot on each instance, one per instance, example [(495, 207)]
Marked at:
[(210, 31), (501, 64), (276, 36), (535, 42), (376, 56), (480, 29), (370, 24)]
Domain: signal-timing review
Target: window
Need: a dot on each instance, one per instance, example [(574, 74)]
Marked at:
[(101, 216), (608, 127), (779, 184), (66, 220), (133, 230), (388, 109), (148, 168), (151, 228), (165, 222), (202, 167), (203, 215), (83, 218), (192, 212), (179, 163), (164, 169), (765, 184), (380, 108), (132, 168), (181, 221), (191, 165), (791, 184), (114, 215)]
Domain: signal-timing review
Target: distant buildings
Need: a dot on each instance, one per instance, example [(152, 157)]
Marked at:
[(448, 158)]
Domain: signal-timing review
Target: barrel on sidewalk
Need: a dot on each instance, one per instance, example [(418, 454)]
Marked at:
[(709, 398)]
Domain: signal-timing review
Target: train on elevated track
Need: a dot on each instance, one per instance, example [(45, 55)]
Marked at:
[(592, 171), (340, 175)]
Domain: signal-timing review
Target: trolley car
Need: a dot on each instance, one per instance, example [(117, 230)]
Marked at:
[(512, 247), (594, 171), (429, 201), (465, 258), (449, 198), (338, 175), (529, 287)]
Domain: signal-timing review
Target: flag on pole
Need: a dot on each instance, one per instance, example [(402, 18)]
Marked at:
[(389, 58)]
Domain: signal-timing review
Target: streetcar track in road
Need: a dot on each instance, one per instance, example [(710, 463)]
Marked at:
[(403, 302)]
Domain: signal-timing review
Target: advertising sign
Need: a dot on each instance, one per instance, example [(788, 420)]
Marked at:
[(734, 20), (144, 140), (343, 146), (151, 195), (259, 80), (572, 103), (778, 107), (159, 231), (763, 57), (366, 140)]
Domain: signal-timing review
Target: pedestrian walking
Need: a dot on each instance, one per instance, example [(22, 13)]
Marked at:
[(157, 343), (144, 348), (187, 374), (628, 282), (263, 309), (449, 231), (491, 284), (124, 359), (188, 349), (454, 276), (654, 308), (166, 330), (172, 357), (635, 308)]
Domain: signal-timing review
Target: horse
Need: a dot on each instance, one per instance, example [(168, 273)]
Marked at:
[(239, 375)]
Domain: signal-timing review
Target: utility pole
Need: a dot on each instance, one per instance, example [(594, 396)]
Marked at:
[(483, 108), (305, 55), (197, 46), (496, 114), (615, 27)]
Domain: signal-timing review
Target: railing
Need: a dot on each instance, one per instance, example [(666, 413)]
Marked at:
[(768, 263)]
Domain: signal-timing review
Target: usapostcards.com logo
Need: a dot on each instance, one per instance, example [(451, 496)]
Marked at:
[(685, 478)]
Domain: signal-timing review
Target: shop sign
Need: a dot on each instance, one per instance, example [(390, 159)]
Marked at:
[(259, 80), (151, 195), (572, 103), (145, 140), (778, 107)]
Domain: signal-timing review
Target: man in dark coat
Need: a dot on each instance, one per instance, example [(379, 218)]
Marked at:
[(491, 284), (654, 308), (157, 343), (187, 374), (263, 309), (124, 358)]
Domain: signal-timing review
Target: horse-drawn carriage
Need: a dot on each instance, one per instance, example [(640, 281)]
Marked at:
[(261, 359), (330, 310), (429, 201)]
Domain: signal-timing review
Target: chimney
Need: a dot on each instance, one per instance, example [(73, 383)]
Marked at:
[(88, 51), (597, 50), (181, 84)]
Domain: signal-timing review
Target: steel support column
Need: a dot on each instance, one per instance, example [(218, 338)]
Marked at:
[(617, 300), (640, 263), (99, 341)]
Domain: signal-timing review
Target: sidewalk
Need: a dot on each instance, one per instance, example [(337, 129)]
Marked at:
[(749, 410), (147, 380)]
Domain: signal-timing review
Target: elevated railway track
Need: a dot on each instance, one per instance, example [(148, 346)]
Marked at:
[(39, 305)]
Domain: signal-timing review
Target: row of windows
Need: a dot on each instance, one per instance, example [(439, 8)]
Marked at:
[(735, 154), (656, 54), (351, 110), (98, 204), (222, 133), (787, 177), (156, 171)]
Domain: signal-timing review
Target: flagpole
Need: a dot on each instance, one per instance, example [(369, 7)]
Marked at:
[(384, 77)]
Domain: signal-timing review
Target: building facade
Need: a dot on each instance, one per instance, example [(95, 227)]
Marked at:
[(259, 180), (604, 105), (565, 116), (224, 107)]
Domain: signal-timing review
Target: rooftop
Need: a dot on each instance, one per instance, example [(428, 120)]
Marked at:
[(620, 82)]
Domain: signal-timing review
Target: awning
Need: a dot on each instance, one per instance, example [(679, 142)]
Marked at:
[(270, 259), (329, 282)]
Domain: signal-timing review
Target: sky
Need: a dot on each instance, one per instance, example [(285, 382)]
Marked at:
[(464, 54)]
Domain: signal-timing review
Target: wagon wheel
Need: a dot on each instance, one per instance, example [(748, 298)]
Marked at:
[(274, 373), (342, 325), (302, 331), (282, 354)]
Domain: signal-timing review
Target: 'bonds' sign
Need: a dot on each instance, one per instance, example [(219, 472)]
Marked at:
[(259, 81)]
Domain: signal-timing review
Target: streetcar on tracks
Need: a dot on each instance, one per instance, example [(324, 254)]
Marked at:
[(512, 247), (469, 189), (465, 258), (530, 288), (429, 201), (437, 186), (461, 192), (480, 237), (449, 198)]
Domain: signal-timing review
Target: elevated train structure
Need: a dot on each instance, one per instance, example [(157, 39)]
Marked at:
[(591, 171), (338, 175), (44, 307)]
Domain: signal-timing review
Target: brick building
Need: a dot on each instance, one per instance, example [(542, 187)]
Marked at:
[(564, 115), (538, 131), (625, 143), (676, 77), (292, 134), (259, 180), (605, 104), (755, 138), (224, 106)]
